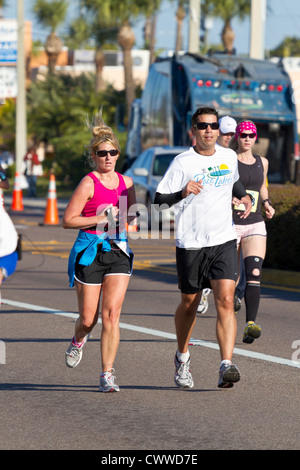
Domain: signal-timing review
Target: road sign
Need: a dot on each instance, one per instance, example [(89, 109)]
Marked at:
[(8, 42), (8, 82)]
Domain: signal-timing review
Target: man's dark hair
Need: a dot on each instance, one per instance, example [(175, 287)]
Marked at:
[(204, 110)]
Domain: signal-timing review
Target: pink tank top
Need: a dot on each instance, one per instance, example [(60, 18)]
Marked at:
[(103, 197)]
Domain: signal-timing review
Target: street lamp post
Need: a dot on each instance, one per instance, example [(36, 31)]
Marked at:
[(21, 120), (257, 35)]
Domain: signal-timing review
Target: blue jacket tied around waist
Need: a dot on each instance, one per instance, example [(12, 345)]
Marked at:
[(89, 243)]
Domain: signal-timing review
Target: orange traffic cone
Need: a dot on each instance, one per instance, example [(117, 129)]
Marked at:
[(17, 201), (51, 213)]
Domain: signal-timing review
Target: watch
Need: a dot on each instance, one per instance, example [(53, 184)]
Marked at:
[(266, 200)]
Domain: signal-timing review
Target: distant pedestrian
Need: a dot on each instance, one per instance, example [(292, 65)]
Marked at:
[(32, 171), (227, 130), (100, 262)]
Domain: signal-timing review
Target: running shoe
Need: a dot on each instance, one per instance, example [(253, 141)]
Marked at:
[(107, 382), (251, 332), (74, 353), (183, 377), (237, 304), (203, 305), (228, 375)]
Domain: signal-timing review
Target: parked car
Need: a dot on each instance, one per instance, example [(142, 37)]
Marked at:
[(147, 171)]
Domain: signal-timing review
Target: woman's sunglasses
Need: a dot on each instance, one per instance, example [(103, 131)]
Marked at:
[(201, 126), (244, 136), (103, 153)]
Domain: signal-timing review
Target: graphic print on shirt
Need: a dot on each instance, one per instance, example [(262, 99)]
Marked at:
[(215, 176)]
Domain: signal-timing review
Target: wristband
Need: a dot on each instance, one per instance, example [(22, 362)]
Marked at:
[(266, 200)]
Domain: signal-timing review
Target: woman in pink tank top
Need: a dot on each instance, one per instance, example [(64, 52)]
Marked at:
[(100, 261)]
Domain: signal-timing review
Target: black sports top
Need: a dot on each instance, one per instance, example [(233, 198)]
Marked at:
[(252, 178)]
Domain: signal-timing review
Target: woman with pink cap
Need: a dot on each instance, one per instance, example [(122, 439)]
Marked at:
[(251, 232)]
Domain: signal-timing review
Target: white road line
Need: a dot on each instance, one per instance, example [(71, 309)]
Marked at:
[(161, 334)]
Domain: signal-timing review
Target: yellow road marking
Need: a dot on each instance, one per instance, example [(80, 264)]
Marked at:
[(51, 248)]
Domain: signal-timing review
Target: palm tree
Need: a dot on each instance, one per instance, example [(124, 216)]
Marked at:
[(105, 20), (289, 47), (95, 22), (51, 13), (124, 11), (2, 4), (150, 28), (227, 10), (126, 40)]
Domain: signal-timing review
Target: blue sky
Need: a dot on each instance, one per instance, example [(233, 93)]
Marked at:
[(283, 19)]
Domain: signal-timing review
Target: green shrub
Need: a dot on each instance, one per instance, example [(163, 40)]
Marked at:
[(283, 245)]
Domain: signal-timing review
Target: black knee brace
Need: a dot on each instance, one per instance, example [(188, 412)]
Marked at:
[(251, 264)]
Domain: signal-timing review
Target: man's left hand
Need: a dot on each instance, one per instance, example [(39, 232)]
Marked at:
[(247, 201)]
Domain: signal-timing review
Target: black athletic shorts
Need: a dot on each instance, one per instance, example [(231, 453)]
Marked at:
[(195, 268), (106, 263)]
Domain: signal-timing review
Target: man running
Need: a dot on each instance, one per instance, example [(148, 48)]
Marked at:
[(201, 182)]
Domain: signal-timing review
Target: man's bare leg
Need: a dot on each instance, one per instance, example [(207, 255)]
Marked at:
[(226, 329)]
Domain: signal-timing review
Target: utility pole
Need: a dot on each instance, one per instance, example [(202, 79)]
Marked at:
[(194, 26), (257, 34), (21, 118)]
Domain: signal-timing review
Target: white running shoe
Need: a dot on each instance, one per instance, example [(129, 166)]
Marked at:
[(237, 303), (74, 353), (203, 305), (107, 382), (228, 375), (183, 377)]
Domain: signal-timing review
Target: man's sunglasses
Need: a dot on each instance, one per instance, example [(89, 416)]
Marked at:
[(201, 126), (103, 153), (244, 136)]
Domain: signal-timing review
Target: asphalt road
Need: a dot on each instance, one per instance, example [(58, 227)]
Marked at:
[(45, 405)]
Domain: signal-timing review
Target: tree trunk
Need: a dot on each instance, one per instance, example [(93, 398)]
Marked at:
[(147, 32), (228, 37), (152, 39), (53, 48), (180, 15), (99, 62), (126, 40)]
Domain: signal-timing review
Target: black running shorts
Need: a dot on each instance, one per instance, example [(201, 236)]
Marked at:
[(106, 263), (195, 268)]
